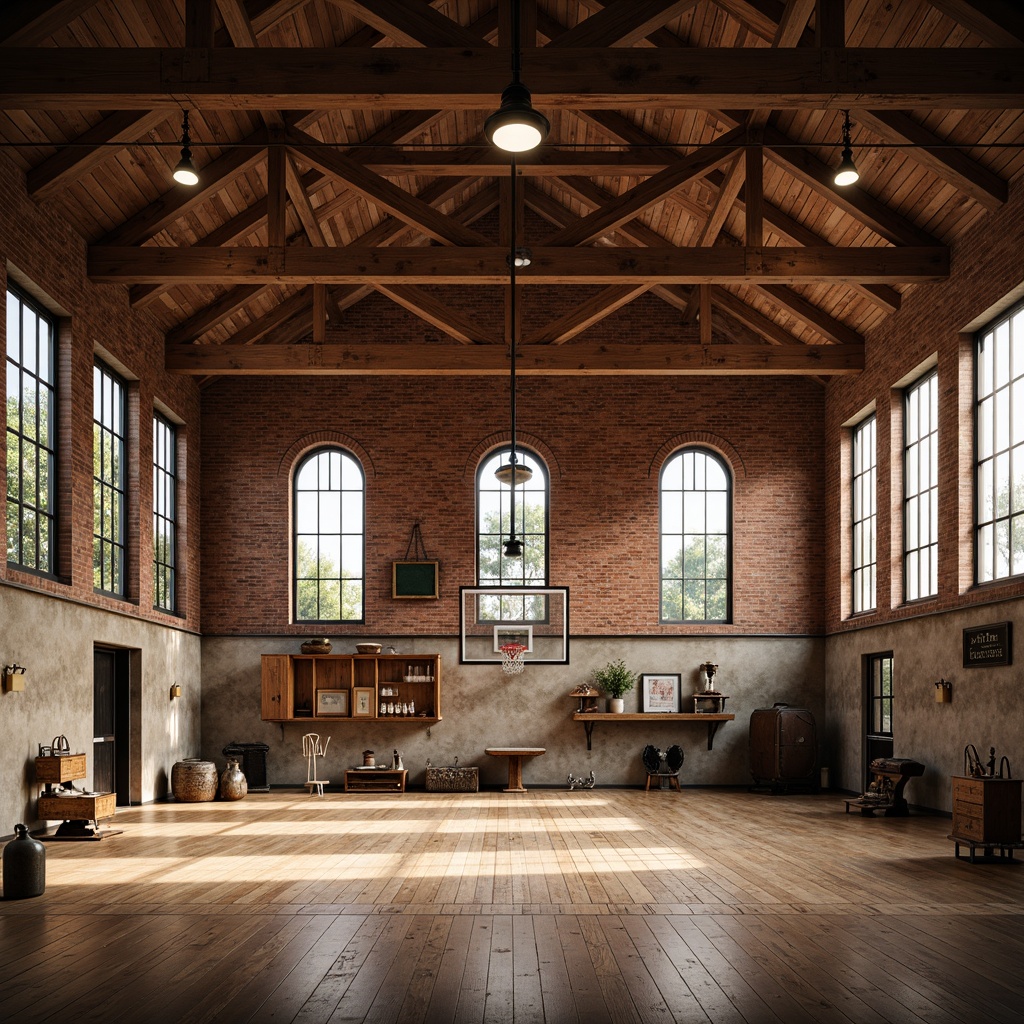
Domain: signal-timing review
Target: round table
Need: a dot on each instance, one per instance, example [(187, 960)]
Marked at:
[(515, 757)]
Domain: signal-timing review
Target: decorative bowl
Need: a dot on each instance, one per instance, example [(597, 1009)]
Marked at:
[(316, 646), (368, 648)]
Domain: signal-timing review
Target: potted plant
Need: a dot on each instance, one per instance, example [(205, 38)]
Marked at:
[(615, 679)]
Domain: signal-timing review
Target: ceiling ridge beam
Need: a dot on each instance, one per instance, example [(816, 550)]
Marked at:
[(464, 79), (486, 265), (663, 359)]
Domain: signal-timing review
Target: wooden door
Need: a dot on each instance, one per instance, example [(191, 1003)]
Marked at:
[(111, 724), (879, 738)]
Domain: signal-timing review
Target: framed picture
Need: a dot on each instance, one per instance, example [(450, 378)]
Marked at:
[(660, 691), (332, 702), (509, 633), (362, 702)]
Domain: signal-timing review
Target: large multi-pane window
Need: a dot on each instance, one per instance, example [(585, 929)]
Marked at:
[(880, 694), (108, 484), (328, 516), (864, 515), (494, 503), (31, 431), (999, 432), (695, 538), (165, 518), (921, 489)]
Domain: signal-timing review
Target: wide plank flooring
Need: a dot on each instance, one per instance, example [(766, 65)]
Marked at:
[(549, 906)]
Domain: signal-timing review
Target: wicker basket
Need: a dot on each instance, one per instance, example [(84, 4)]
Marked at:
[(453, 779), (194, 780)]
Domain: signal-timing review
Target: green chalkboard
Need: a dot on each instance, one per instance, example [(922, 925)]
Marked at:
[(414, 579)]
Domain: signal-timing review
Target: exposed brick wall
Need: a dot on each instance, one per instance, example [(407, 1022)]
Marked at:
[(47, 252), (423, 438), (985, 268)]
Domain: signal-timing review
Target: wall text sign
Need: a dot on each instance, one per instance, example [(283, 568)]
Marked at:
[(988, 645)]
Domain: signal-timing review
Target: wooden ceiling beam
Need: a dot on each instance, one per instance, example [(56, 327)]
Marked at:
[(998, 22), (90, 149), (486, 265), (386, 196), (940, 157), (652, 190), (227, 305), (463, 79), (756, 321), (439, 314), (237, 23), (411, 24), (827, 326), (622, 24), (583, 315), (577, 359), (29, 22), (179, 201)]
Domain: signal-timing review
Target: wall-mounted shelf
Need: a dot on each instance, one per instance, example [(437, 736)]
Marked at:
[(713, 721)]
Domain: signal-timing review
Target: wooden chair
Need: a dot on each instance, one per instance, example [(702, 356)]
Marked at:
[(654, 759)]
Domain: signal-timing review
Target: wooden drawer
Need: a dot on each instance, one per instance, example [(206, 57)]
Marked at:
[(60, 769), (75, 808), (966, 827), (971, 810), (969, 790)]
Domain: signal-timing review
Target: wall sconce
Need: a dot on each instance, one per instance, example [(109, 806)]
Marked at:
[(943, 692), (14, 678), (175, 690)]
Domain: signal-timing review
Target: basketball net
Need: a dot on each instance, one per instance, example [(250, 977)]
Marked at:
[(512, 658)]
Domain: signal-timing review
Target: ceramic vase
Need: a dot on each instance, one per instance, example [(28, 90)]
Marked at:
[(232, 781)]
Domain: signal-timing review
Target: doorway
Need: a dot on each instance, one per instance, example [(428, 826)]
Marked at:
[(878, 741), (111, 717)]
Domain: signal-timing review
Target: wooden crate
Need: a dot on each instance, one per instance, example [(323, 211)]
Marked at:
[(77, 808), (60, 769)]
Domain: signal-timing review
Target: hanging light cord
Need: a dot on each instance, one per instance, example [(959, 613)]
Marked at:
[(513, 336), (517, 57)]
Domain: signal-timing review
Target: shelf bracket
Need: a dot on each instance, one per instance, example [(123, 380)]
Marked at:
[(588, 728), (712, 729)]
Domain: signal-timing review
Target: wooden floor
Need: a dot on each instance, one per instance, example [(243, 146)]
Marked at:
[(557, 906)]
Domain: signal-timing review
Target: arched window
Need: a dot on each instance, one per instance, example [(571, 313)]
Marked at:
[(696, 538), (493, 522), (328, 557)]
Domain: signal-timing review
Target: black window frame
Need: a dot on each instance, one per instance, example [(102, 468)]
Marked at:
[(165, 514), (680, 454), (297, 599), (36, 513), (931, 379), (110, 488), (858, 503)]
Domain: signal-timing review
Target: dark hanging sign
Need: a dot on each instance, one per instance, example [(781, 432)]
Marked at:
[(988, 645)]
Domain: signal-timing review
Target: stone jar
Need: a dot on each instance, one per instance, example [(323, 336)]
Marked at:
[(24, 866), (233, 785)]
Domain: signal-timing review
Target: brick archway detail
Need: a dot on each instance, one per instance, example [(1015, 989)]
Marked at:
[(325, 439), (702, 438), (503, 437)]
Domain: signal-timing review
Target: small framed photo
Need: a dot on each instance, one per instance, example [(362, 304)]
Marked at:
[(508, 633), (363, 702), (332, 703), (660, 691)]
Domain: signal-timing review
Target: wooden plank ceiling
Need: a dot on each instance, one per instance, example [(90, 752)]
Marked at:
[(342, 164)]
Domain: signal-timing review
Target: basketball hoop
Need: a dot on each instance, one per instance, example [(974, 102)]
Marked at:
[(512, 658)]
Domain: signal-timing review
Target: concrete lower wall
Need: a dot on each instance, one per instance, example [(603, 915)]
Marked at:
[(54, 639), (985, 709), (482, 707)]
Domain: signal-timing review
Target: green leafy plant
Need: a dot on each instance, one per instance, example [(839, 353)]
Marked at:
[(615, 679)]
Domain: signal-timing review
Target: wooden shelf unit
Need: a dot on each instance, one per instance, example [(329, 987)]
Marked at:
[(713, 721), (290, 683)]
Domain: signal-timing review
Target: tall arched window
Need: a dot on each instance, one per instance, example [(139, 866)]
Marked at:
[(696, 538), (328, 556), (493, 521)]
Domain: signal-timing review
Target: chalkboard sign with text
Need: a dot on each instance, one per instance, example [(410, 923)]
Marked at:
[(414, 579), (988, 645)]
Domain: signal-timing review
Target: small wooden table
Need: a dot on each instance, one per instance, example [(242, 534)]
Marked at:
[(76, 813), (515, 757), (375, 780)]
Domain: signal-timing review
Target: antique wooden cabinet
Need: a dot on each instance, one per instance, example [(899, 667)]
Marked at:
[(986, 811)]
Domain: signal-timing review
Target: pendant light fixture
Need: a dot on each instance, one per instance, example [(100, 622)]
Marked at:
[(846, 173), (185, 173), (512, 473), (515, 126)]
